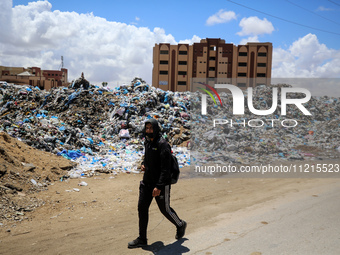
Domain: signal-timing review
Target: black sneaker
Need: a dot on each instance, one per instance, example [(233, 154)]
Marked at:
[(181, 230), (139, 242)]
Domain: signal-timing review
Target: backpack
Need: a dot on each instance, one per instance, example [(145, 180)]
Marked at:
[(174, 169)]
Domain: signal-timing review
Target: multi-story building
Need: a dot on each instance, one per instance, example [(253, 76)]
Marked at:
[(174, 66), (34, 76)]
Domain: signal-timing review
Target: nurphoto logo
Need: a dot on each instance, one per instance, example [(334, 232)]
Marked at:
[(238, 104)]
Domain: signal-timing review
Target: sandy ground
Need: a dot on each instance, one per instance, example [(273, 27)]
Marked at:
[(101, 218)]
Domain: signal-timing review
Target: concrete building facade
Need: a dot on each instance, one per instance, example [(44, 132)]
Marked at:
[(34, 76), (174, 66)]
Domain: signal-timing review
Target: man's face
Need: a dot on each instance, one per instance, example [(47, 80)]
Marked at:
[(149, 129)]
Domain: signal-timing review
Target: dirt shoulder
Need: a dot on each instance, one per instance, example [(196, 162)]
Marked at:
[(101, 218), (23, 172)]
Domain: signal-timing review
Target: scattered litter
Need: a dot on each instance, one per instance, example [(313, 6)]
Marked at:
[(82, 183)]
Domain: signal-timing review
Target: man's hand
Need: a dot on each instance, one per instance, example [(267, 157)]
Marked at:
[(156, 192), (142, 168)]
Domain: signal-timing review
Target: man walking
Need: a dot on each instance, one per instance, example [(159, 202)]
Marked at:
[(155, 184)]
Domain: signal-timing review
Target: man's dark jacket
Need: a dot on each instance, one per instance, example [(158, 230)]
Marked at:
[(157, 159)]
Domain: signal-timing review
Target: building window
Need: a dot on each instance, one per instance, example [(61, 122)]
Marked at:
[(261, 64), (213, 48), (182, 83), (183, 52), (163, 72), (242, 64), (164, 52), (262, 54), (241, 84), (261, 75), (183, 63), (212, 58), (182, 73), (211, 68), (163, 82), (163, 62), (241, 74), (242, 54)]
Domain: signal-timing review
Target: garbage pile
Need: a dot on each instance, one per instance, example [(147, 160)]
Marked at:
[(250, 138), (97, 127), (81, 83), (89, 129)]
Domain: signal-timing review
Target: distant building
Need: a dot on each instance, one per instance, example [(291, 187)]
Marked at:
[(44, 79), (244, 65)]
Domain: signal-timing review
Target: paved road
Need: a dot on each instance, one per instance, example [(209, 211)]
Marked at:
[(306, 222)]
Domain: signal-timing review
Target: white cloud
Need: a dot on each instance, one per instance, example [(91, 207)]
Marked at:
[(322, 9), (194, 39), (221, 16), (137, 19), (5, 17), (249, 39), (255, 26), (105, 51), (307, 58)]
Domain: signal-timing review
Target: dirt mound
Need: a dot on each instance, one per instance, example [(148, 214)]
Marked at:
[(23, 172)]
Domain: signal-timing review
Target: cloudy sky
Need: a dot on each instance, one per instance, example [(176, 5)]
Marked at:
[(112, 41)]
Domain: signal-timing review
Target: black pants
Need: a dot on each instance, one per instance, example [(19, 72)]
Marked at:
[(163, 202)]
